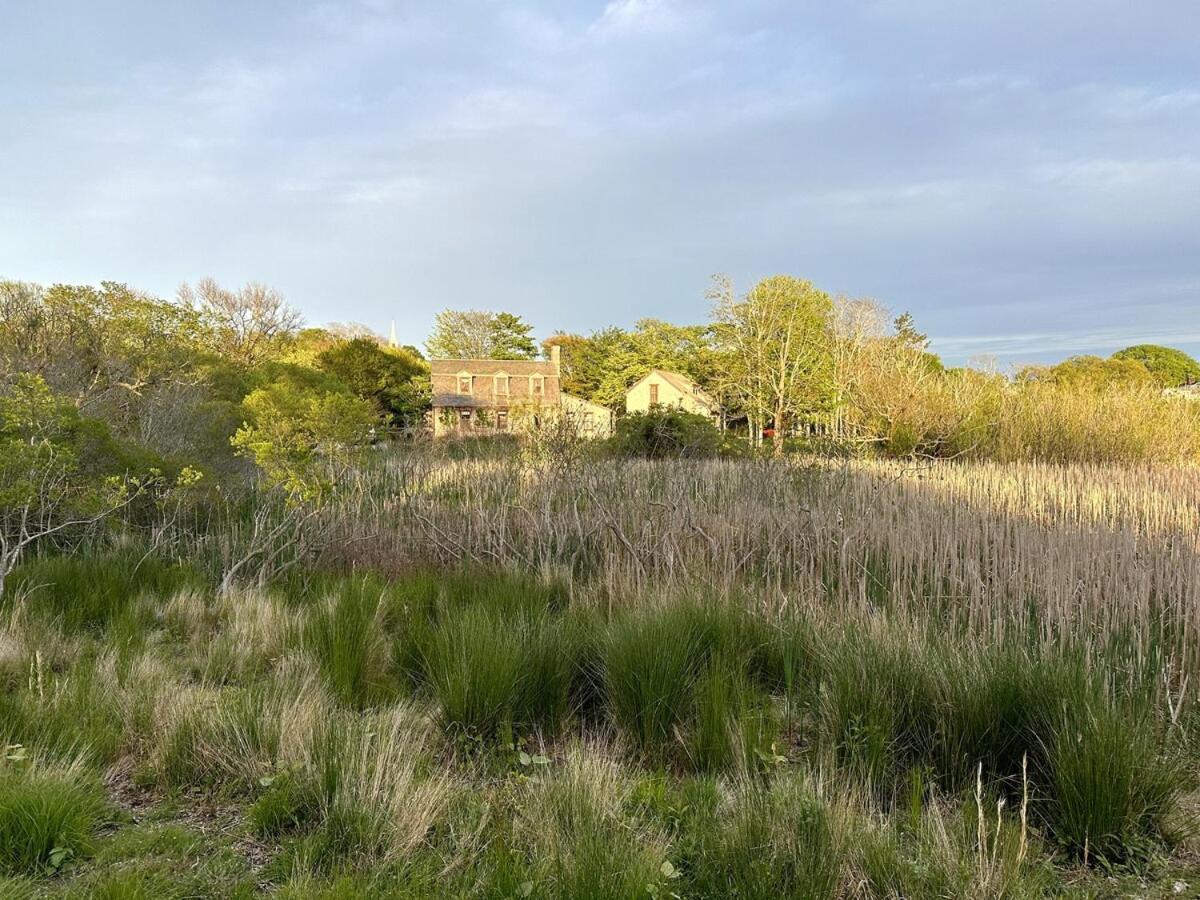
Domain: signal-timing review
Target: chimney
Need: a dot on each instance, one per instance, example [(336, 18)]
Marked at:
[(555, 353)]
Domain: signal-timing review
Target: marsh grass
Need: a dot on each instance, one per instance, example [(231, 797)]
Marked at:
[(346, 635), (580, 838), (48, 814), (765, 681), (92, 591), (782, 839)]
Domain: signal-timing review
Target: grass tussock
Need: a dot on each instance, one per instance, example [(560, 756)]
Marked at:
[(48, 813)]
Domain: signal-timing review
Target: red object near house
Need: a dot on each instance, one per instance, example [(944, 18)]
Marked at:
[(768, 432)]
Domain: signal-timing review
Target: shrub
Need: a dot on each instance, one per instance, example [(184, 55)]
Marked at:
[(666, 434)]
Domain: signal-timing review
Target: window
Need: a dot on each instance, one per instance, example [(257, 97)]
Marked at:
[(589, 421), (464, 418), (464, 384), (537, 385), (502, 420), (654, 395), (501, 385)]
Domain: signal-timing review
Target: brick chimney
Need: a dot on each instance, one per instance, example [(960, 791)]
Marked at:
[(555, 357)]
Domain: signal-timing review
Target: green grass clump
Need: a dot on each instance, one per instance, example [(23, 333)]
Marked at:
[(92, 591), (346, 635), (475, 664), (652, 658), (581, 841), (1112, 786), (47, 816)]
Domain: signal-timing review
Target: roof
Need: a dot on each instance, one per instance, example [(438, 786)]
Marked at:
[(493, 366), (680, 382), (571, 400)]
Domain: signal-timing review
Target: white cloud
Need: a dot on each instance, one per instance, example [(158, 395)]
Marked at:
[(631, 17)]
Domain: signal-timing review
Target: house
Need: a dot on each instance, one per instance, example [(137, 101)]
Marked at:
[(590, 420), (661, 388), (490, 396)]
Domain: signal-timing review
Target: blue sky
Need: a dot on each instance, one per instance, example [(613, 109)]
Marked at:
[(1024, 177)]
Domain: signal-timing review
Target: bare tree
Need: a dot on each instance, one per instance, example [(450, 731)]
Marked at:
[(250, 319)]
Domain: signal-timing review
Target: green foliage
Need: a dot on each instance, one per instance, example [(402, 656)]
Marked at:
[(395, 382), (1092, 372), (299, 437), (1170, 367), (666, 434), (475, 334)]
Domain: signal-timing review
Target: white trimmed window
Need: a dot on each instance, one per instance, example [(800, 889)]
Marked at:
[(465, 381), (500, 384), (537, 385)]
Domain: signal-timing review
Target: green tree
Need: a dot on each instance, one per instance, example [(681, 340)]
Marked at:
[(1091, 372), (58, 472), (479, 334), (301, 438), (395, 383), (778, 341), (1169, 366)]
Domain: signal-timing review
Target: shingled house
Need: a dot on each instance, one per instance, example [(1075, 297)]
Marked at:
[(486, 396)]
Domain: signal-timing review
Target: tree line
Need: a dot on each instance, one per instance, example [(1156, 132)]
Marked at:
[(787, 359)]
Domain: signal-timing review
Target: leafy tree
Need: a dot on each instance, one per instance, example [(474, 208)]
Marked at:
[(1090, 372), (1169, 366), (58, 471), (300, 437), (478, 334), (601, 367), (251, 321), (395, 382), (778, 340)]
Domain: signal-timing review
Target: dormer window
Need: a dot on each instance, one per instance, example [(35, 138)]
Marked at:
[(464, 383), (537, 385), (501, 385)]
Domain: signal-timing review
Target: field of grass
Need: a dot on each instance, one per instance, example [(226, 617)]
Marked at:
[(565, 678)]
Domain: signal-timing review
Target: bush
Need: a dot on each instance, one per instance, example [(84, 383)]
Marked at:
[(666, 434)]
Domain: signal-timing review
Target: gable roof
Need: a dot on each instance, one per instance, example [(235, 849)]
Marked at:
[(680, 382), (493, 367)]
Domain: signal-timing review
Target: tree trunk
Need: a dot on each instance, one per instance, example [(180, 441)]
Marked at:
[(777, 432)]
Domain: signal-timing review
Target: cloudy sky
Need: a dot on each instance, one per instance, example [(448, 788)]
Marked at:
[(1023, 176)]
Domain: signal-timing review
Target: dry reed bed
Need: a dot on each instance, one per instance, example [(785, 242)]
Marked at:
[(1099, 551)]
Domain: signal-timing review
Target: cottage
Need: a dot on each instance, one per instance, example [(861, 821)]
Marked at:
[(661, 388)]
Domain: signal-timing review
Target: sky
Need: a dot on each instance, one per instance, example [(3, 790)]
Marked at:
[(1023, 177)]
